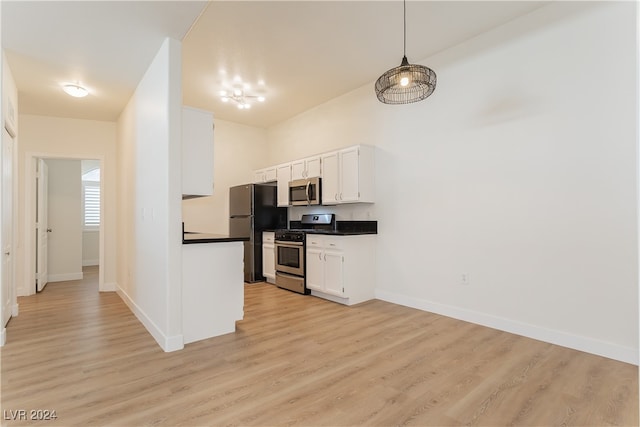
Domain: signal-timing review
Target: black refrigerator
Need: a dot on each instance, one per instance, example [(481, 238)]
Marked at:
[(253, 209)]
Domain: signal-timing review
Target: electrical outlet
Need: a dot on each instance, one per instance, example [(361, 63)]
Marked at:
[(464, 279)]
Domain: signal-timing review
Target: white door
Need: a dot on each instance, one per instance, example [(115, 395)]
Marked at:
[(298, 170), (349, 175), (313, 167), (283, 175), (333, 273), (330, 190), (315, 269), (42, 225), (7, 226)]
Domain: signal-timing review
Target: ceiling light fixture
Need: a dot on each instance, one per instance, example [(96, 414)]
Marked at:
[(405, 83), (75, 90), (242, 99)]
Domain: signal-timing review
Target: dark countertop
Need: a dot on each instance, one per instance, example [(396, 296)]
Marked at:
[(340, 228), (339, 233), (191, 237)]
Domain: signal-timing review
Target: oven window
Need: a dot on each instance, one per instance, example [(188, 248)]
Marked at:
[(289, 257), (298, 193)]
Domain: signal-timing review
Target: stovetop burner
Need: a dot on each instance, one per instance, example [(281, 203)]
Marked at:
[(309, 222)]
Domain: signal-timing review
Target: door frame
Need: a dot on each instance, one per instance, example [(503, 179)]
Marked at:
[(30, 208)]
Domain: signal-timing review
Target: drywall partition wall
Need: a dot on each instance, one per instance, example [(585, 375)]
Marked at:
[(90, 248), (518, 172), (149, 213), (238, 151), (56, 137), (65, 220)]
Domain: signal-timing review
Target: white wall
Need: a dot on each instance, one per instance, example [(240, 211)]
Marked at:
[(90, 248), (54, 137), (238, 150), (149, 194), (520, 171), (64, 220)]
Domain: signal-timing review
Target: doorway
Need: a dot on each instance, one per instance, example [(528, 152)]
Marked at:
[(66, 209), (67, 219)]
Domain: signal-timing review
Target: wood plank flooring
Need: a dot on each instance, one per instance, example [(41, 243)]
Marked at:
[(297, 361)]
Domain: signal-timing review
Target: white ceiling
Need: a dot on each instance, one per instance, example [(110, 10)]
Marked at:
[(306, 52)]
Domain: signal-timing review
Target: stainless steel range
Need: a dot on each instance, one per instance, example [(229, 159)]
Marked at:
[(290, 251)]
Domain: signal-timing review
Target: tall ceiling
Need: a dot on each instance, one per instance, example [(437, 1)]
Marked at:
[(297, 54)]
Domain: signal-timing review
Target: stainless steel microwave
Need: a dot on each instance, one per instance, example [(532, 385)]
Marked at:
[(305, 192)]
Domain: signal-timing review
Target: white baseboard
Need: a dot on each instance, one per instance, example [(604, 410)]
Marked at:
[(15, 310), (171, 343), (90, 262), (3, 336), (576, 342), (64, 277), (109, 287)]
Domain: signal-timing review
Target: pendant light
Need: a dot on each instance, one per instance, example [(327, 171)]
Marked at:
[(405, 83)]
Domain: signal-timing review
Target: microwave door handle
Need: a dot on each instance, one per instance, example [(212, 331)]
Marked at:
[(307, 191)]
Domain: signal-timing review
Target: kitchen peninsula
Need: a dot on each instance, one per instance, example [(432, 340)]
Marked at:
[(212, 285)]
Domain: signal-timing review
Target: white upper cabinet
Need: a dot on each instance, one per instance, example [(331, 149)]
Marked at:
[(264, 175), (197, 152), (348, 175), (283, 175), (305, 168)]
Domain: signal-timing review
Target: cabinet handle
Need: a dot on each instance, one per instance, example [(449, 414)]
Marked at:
[(336, 196), (320, 257), (325, 257)]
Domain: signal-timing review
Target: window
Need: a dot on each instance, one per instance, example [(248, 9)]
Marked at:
[(91, 199)]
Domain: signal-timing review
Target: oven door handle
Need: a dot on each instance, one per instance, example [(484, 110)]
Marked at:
[(289, 244), (280, 273)]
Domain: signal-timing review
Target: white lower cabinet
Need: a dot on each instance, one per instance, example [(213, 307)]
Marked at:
[(269, 256), (341, 268)]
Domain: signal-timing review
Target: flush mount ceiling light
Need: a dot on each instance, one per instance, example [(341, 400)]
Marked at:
[(75, 90), (405, 83), (238, 96)]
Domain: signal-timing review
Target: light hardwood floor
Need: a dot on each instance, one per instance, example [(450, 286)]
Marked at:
[(298, 360)]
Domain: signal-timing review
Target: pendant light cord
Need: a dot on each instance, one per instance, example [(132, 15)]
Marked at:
[(404, 50)]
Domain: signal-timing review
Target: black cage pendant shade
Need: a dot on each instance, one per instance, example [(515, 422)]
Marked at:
[(405, 83)]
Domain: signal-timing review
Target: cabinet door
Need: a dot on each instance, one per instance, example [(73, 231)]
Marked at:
[(333, 273), (197, 152), (283, 175), (330, 179), (270, 175), (313, 167), (297, 170), (268, 261), (349, 175), (258, 176), (315, 269)]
